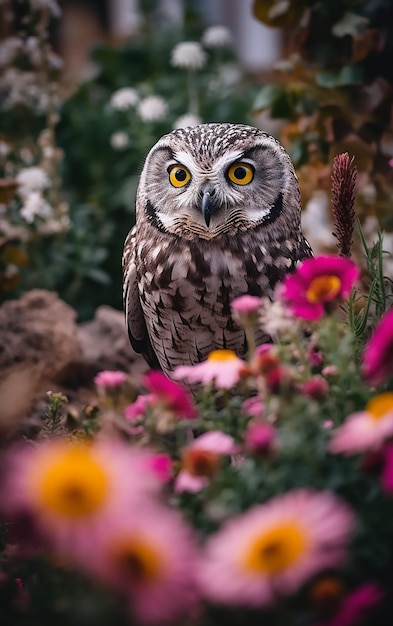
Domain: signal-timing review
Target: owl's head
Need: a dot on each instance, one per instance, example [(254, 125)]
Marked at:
[(218, 178)]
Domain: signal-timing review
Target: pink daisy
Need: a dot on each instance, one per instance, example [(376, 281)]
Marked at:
[(109, 380), (259, 437), (72, 490), (317, 284), (170, 394), (223, 368), (138, 408), (365, 430), (274, 548), (201, 459), (378, 355), (149, 557)]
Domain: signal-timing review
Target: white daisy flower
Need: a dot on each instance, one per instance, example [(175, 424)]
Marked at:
[(152, 109), (189, 55), (217, 37), (124, 99), (35, 206), (119, 140), (32, 179), (188, 119)]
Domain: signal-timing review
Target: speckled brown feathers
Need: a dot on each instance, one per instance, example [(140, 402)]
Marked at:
[(182, 268)]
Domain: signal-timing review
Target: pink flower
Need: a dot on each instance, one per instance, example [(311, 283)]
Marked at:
[(365, 430), (245, 309), (161, 465), (172, 395), (259, 437), (253, 406), (317, 284), (72, 490), (138, 408), (387, 474), (316, 388), (201, 460), (110, 380), (149, 556), (378, 355), (223, 368), (275, 548), (356, 606)]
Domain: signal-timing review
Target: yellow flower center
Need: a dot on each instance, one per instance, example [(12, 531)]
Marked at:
[(222, 355), (73, 485), (138, 559), (200, 462), (380, 405), (275, 550), (323, 289)]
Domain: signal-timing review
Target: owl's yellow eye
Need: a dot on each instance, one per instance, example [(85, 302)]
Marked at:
[(241, 173), (179, 175)]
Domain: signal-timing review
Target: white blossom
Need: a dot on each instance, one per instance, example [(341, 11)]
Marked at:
[(4, 148), (189, 55), (124, 99), (217, 37), (275, 318), (32, 179), (119, 140), (35, 206), (9, 49), (188, 119), (152, 109), (50, 5)]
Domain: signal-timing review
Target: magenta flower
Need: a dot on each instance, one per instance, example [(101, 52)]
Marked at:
[(170, 394), (253, 406), (223, 368), (315, 387), (387, 473), (365, 430), (317, 284), (137, 409), (161, 465), (275, 547), (110, 380), (201, 459), (378, 354), (259, 438), (356, 606)]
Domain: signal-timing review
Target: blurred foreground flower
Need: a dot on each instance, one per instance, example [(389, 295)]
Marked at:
[(318, 284), (110, 379), (378, 355), (356, 606), (365, 430), (222, 368), (72, 490), (275, 548), (151, 559)]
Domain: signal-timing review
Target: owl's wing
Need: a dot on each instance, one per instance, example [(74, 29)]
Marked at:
[(135, 320)]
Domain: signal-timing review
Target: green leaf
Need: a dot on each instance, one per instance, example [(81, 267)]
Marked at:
[(347, 75), (267, 96), (350, 24)]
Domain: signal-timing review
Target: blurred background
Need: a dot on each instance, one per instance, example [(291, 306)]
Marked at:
[(88, 86)]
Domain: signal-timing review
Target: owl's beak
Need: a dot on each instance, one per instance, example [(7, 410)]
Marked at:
[(208, 204)]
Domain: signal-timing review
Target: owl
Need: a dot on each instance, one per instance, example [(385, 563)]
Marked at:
[(217, 216)]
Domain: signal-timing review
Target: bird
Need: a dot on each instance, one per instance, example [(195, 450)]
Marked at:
[(218, 215)]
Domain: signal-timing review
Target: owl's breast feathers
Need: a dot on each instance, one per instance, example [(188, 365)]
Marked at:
[(177, 293)]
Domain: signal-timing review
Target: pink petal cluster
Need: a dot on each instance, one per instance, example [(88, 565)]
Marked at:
[(317, 284), (138, 409), (377, 363), (245, 309), (365, 430), (161, 465), (222, 368), (109, 380), (253, 406), (259, 438), (320, 519), (169, 393), (211, 446)]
